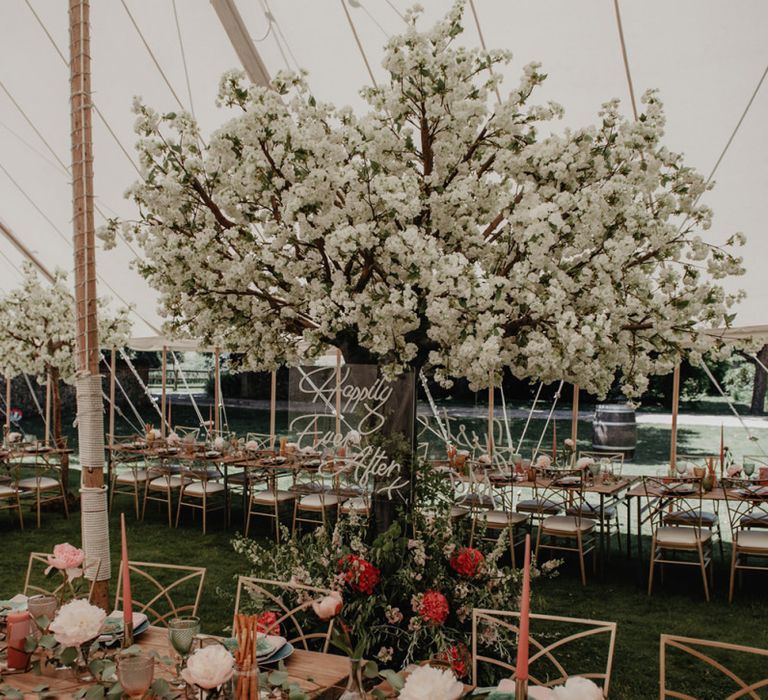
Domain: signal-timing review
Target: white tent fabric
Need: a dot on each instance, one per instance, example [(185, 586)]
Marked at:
[(706, 57)]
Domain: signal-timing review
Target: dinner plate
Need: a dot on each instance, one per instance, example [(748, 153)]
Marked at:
[(113, 627), (16, 604), (282, 653), (678, 488), (568, 480), (212, 453), (759, 491)]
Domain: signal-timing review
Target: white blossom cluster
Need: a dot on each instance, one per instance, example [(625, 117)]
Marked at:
[(38, 330), (437, 230)]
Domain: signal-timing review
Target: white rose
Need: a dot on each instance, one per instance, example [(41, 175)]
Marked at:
[(577, 688), (252, 445), (543, 462), (209, 667), (427, 683), (328, 606), (584, 462), (353, 437), (218, 443), (173, 439), (77, 622)]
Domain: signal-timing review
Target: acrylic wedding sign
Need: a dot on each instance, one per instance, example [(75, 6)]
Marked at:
[(371, 409)]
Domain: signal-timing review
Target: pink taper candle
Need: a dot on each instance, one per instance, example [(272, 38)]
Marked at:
[(521, 668), (127, 602)]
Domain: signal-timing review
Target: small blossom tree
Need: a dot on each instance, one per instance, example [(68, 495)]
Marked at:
[(437, 230), (37, 336)]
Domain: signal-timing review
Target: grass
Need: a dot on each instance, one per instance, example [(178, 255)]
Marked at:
[(619, 594)]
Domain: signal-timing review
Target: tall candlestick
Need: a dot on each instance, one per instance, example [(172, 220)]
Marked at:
[(521, 668), (127, 601)]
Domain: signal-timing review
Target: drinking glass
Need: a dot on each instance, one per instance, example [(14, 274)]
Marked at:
[(42, 606), (681, 467), (135, 674), (181, 633), (749, 469)]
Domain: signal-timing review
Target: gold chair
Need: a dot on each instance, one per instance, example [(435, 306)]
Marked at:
[(743, 669), (291, 604), (747, 505), (128, 474), (317, 497), (686, 534), (160, 586), (565, 533), (200, 489), (499, 518), (37, 583), (45, 485), (556, 644), (10, 494), (163, 481)]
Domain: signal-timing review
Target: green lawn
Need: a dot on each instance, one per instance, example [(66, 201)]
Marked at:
[(618, 594)]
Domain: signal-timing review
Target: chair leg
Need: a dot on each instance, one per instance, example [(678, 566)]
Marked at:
[(18, 507), (511, 546), (64, 499), (277, 520), (205, 508), (734, 557), (248, 516), (38, 508), (653, 562), (111, 494), (581, 559), (295, 512), (704, 572)]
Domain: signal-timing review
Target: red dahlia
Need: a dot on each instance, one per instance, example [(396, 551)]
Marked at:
[(434, 607), (266, 622), (467, 561), (360, 575)]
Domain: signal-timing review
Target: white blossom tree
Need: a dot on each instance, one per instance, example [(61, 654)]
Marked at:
[(38, 336), (437, 230)]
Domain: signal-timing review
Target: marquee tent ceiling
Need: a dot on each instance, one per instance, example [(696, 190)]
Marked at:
[(706, 57)]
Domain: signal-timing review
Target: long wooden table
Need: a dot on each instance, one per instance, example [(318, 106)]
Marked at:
[(322, 676)]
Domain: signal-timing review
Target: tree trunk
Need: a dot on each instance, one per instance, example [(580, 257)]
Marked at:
[(58, 437), (761, 382)]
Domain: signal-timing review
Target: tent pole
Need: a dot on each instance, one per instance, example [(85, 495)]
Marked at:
[(112, 377), (7, 404), (675, 407), (216, 391), (48, 409), (575, 416), (95, 528), (338, 392), (163, 390), (272, 409), (490, 419)]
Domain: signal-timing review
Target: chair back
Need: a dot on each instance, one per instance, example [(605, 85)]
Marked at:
[(37, 583), (262, 440), (725, 670), (292, 605), (746, 503), (563, 488), (683, 494), (162, 591), (558, 647)]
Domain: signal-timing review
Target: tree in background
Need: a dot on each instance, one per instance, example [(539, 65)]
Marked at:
[(37, 336), (438, 230)]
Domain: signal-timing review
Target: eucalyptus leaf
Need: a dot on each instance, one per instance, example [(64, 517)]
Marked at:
[(47, 641), (370, 669), (393, 678), (68, 656), (278, 677)]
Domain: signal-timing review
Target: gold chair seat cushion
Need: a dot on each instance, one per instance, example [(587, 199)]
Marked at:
[(8, 491), (269, 496), (358, 504), (593, 511), (536, 505), (749, 540), (760, 520), (319, 501), (566, 525), (43, 483), (164, 483), (501, 518), (686, 537), (132, 477), (201, 488), (702, 518)]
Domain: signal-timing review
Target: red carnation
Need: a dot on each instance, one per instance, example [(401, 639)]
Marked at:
[(458, 658), (266, 622), (360, 575), (466, 562), (434, 607)]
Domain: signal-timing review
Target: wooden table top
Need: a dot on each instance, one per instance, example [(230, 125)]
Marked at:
[(716, 494), (318, 674)]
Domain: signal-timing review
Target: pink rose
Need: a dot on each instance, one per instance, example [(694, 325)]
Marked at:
[(66, 558), (328, 606)]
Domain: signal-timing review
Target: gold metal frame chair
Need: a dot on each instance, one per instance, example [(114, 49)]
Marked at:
[(684, 497), (46, 479), (499, 519), (565, 533), (147, 576), (33, 581), (266, 594), (128, 473), (688, 645), (10, 494), (747, 505), (165, 479), (199, 490), (549, 647)]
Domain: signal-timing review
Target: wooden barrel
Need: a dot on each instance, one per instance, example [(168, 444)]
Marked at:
[(615, 429)]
